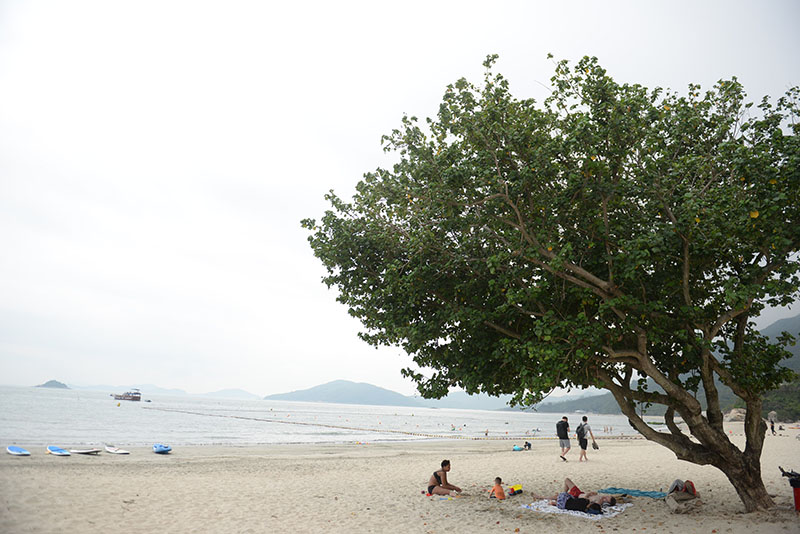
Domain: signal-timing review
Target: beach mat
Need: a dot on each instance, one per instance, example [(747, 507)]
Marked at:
[(545, 507)]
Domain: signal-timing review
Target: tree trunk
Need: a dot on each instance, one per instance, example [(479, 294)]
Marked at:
[(742, 468), (745, 475)]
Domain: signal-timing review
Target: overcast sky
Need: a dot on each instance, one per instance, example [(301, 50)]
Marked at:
[(156, 159)]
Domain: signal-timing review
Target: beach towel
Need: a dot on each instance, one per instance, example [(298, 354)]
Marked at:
[(545, 507), (634, 493)]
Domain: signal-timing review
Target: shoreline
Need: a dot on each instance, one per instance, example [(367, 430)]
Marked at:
[(372, 487)]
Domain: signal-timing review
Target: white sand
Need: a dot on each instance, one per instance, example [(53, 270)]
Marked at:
[(371, 488)]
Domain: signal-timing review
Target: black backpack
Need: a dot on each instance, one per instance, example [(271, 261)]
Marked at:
[(581, 431)]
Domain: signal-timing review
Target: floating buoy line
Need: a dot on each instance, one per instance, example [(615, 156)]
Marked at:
[(363, 429)]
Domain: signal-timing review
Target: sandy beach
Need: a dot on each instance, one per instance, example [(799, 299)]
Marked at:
[(373, 487)]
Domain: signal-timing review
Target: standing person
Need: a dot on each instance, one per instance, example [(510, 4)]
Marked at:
[(772, 426), (582, 432), (562, 430), (438, 485)]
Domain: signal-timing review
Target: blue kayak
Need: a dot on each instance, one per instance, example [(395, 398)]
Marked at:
[(158, 448)]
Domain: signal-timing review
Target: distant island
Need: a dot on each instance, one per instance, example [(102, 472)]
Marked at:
[(55, 384), (346, 392)]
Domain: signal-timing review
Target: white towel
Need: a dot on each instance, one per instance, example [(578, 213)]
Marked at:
[(545, 507)]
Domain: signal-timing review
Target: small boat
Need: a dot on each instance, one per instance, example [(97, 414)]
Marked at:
[(132, 395), (158, 448), (115, 450), (17, 451)]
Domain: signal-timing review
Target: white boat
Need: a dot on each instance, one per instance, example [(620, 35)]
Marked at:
[(132, 395)]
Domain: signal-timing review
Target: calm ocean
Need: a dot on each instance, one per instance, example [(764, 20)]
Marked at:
[(68, 418)]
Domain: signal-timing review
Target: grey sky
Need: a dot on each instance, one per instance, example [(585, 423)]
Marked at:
[(156, 159)]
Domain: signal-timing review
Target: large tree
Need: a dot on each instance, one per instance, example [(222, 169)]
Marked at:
[(610, 235)]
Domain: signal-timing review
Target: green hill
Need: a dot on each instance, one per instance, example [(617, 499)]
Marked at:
[(603, 403), (791, 325), (346, 392), (784, 400)]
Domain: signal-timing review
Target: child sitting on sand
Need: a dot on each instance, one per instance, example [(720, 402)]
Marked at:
[(497, 491)]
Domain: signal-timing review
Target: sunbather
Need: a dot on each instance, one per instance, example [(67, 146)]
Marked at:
[(572, 498)]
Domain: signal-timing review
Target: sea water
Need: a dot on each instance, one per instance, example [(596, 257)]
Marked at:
[(68, 418)]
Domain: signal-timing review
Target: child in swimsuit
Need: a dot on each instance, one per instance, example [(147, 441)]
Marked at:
[(497, 491)]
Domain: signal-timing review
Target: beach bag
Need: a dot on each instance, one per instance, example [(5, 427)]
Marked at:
[(682, 491), (676, 485), (680, 502), (581, 431)]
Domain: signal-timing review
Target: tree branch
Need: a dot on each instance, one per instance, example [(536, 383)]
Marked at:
[(678, 443), (502, 330)]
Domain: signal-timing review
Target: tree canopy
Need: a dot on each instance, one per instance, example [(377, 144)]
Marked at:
[(609, 235)]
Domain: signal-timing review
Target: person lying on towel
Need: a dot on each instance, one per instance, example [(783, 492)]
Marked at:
[(573, 498)]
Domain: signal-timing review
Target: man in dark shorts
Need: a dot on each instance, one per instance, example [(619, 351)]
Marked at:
[(562, 431), (582, 433)]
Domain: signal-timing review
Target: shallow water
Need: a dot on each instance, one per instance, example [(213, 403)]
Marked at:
[(68, 418)]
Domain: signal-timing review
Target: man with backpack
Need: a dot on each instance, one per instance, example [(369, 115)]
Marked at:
[(582, 432), (562, 431)]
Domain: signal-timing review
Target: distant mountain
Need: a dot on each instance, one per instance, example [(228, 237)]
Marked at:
[(463, 401), (346, 392), (785, 401), (603, 403), (53, 384), (238, 394), (791, 325), (575, 394)]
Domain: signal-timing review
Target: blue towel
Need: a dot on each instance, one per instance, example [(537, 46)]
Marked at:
[(635, 493)]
